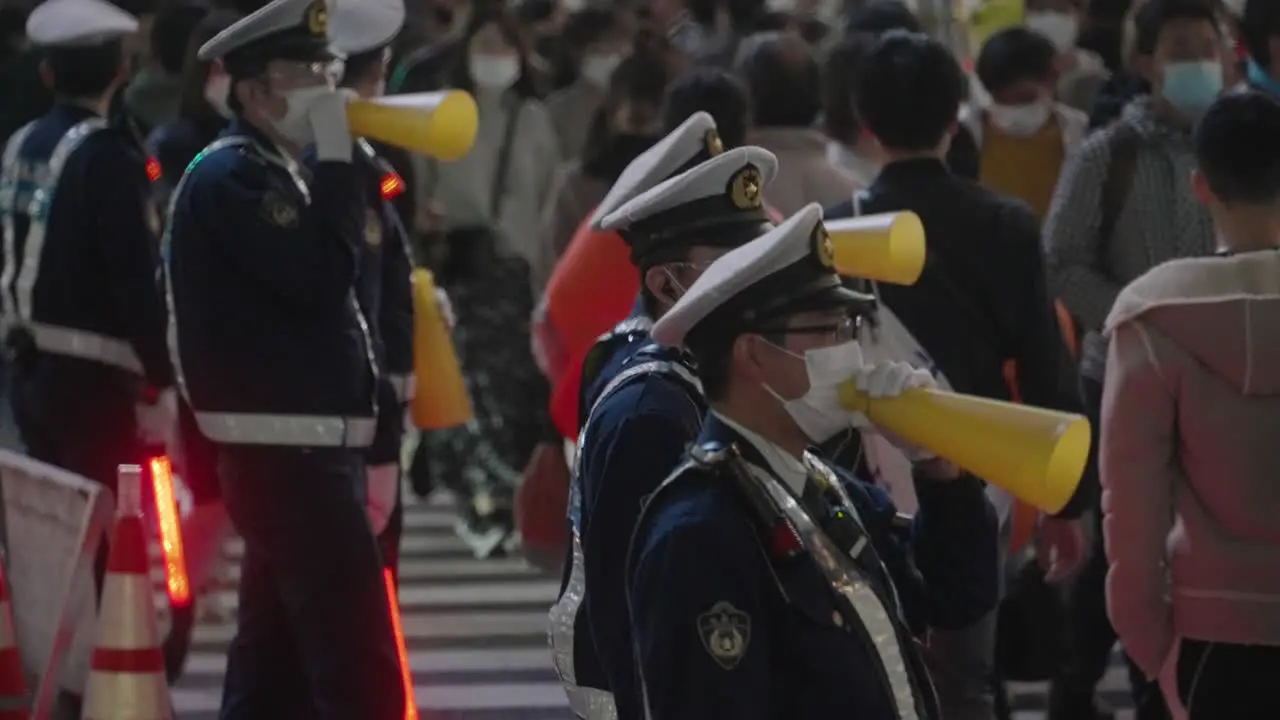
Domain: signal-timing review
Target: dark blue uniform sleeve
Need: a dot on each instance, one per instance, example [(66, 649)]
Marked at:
[(627, 456), (396, 314), (303, 255), (955, 546), (700, 616), (118, 189)]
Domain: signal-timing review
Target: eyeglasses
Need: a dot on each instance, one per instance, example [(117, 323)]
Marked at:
[(841, 331), (306, 74)]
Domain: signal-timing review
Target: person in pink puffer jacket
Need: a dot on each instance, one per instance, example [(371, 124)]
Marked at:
[(1191, 438)]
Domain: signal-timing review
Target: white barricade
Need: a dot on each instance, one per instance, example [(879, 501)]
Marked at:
[(54, 521)]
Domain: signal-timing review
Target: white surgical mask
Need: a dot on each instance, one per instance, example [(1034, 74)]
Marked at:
[(494, 72), (1061, 28), (217, 91), (818, 413), (296, 125), (599, 68), (1020, 120)]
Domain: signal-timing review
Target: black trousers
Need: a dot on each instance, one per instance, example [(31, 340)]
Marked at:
[(1088, 636), (389, 538), (1221, 681), (314, 639)]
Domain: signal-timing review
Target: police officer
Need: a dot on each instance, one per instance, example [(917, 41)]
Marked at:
[(646, 405), (763, 581), (84, 321), (275, 358), (363, 32)]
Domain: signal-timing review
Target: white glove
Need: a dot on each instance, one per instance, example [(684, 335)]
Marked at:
[(381, 494), (446, 309), (327, 114), (158, 421), (891, 379)]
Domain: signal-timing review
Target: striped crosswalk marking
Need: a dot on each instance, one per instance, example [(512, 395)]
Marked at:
[(476, 631)]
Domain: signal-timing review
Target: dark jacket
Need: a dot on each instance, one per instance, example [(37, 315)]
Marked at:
[(982, 299)]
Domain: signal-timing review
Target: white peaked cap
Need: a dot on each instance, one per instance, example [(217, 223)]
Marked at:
[(298, 21), (714, 178), (792, 262), (359, 26), (695, 138), (66, 23)]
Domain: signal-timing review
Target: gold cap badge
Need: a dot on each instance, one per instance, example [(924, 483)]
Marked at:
[(745, 188), (823, 249), (712, 142), (318, 18)]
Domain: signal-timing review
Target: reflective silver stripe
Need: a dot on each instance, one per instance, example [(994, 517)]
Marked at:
[(166, 242), (848, 582), (41, 203), (9, 182), (286, 430), (404, 385), (85, 345), (590, 703)]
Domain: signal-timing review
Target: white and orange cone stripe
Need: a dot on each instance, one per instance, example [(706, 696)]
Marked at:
[(126, 676)]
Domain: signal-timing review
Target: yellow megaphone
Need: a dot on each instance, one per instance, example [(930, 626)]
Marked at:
[(1037, 455), (888, 247), (440, 399), (440, 124)]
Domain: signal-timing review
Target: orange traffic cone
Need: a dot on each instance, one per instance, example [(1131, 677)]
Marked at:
[(14, 703), (126, 676)]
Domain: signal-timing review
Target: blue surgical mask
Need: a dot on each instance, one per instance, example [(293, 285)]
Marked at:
[(1192, 86), (1261, 80)]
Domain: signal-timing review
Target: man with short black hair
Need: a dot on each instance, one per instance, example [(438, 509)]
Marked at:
[(276, 361), (982, 300), (715, 92), (1025, 134), (83, 320)]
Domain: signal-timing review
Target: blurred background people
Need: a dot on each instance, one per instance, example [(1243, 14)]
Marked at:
[(1123, 205), (625, 124), (1024, 135), (784, 83), (599, 38), (850, 146), (154, 95), (477, 220)]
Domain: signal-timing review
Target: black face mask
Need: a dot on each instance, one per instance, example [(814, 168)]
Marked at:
[(617, 154)]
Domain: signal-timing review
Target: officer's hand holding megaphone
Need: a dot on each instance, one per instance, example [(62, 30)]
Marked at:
[(891, 379)]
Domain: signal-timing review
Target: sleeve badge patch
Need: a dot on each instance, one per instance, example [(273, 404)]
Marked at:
[(279, 211), (725, 632)]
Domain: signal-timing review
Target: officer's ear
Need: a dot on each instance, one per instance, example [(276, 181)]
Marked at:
[(46, 74), (659, 284), (747, 354)]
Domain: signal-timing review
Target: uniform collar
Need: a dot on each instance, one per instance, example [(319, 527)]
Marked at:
[(913, 168), (765, 455), (240, 126)]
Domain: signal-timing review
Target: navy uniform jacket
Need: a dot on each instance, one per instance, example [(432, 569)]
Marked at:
[(94, 278), (385, 292), (636, 434), (724, 628), (261, 280)]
